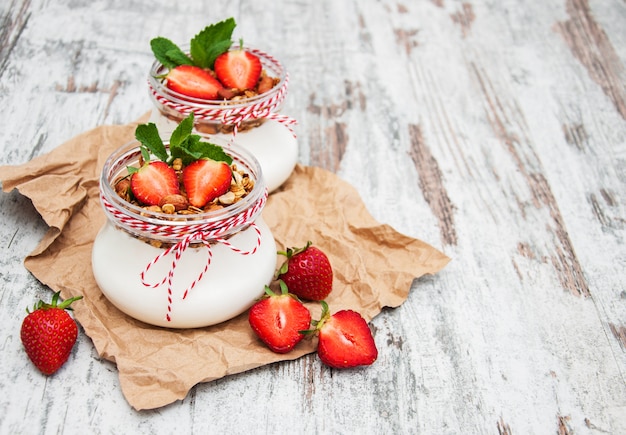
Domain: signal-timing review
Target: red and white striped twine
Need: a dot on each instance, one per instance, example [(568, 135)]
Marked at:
[(205, 233), (265, 109)]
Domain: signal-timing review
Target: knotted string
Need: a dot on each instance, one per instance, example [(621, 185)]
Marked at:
[(204, 233), (179, 248)]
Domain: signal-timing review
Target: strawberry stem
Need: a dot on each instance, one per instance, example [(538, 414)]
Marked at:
[(283, 287), (324, 316), (289, 253), (65, 305), (269, 292), (317, 324)]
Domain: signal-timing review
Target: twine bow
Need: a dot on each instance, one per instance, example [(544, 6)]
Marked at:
[(205, 233), (206, 238)]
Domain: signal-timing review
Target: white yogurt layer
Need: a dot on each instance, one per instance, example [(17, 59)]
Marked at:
[(230, 286)]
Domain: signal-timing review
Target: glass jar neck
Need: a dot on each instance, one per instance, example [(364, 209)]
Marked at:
[(233, 115), (166, 229)]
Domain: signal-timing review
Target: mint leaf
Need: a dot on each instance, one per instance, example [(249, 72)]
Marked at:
[(145, 154), (189, 147), (212, 41), (182, 131), (177, 57), (184, 151), (183, 144), (210, 151), (148, 136), (168, 53), (195, 149)]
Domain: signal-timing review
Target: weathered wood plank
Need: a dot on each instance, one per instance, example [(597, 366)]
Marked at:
[(494, 131)]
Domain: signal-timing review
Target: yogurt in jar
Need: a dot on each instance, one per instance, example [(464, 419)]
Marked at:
[(256, 120), (206, 270)]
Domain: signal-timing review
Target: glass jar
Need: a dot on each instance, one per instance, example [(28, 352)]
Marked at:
[(180, 272), (255, 121)]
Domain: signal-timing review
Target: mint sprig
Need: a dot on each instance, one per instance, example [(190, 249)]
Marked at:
[(148, 136), (212, 41), (190, 147), (183, 144), (205, 47), (168, 53)]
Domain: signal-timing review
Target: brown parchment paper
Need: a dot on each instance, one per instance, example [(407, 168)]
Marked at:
[(374, 266)]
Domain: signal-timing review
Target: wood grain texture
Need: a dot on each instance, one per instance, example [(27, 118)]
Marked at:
[(495, 131)]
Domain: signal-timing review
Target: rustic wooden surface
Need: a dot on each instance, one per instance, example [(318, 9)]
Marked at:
[(493, 130)]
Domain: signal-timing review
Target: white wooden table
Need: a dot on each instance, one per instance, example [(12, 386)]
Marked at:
[(495, 131)]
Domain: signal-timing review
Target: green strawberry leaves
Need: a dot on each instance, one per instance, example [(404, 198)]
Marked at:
[(183, 144), (205, 47)]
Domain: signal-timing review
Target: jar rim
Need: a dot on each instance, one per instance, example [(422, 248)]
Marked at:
[(128, 153), (267, 61)]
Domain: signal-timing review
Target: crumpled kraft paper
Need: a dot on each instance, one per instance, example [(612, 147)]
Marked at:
[(374, 267)]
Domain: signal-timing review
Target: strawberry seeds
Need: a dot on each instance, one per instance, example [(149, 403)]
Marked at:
[(282, 320)]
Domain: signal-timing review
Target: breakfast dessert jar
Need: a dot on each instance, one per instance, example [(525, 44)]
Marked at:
[(254, 121), (183, 271)]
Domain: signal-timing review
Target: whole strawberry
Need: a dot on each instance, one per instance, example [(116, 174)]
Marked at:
[(49, 333), (345, 339), (279, 319), (307, 272)]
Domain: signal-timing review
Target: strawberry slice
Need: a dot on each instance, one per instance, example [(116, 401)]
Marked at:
[(345, 340), (154, 181), (205, 180), (277, 319), (238, 69), (194, 82)]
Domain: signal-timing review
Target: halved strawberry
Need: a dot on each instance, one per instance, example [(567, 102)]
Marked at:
[(345, 339), (194, 82), (238, 69), (278, 319), (154, 181), (205, 180)]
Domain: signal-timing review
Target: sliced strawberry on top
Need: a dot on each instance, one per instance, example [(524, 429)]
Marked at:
[(277, 319), (205, 180), (154, 181), (345, 339), (238, 69), (194, 82)]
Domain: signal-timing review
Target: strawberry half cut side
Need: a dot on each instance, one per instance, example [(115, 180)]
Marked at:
[(278, 319), (154, 181), (345, 340), (194, 82), (238, 69), (205, 180)]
